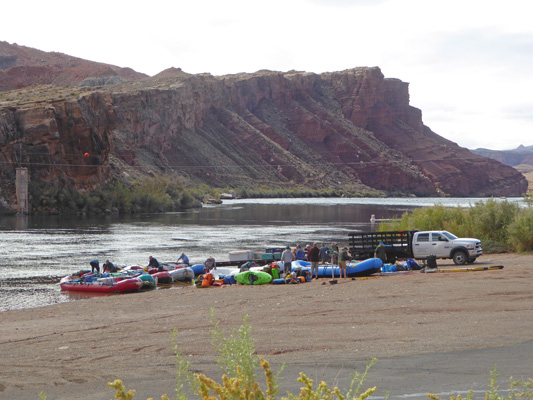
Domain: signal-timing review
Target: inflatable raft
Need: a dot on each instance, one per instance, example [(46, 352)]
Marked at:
[(162, 277), (198, 269), (147, 280), (353, 269), (117, 286), (182, 274)]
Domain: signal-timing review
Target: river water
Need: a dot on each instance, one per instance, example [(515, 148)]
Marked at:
[(36, 251)]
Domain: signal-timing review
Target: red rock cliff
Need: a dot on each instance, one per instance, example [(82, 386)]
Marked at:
[(346, 129)]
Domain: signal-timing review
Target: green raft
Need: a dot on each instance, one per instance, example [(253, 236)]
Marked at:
[(253, 278)]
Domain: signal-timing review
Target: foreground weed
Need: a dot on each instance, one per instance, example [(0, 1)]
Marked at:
[(237, 387), (324, 393), (236, 351), (183, 374), (120, 390)]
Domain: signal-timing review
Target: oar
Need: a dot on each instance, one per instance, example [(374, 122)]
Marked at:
[(469, 269)]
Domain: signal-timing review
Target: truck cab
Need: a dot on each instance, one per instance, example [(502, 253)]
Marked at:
[(444, 244)]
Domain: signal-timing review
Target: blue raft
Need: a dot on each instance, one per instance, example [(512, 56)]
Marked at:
[(353, 269)]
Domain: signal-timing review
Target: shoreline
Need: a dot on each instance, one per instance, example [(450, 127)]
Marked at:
[(71, 350)]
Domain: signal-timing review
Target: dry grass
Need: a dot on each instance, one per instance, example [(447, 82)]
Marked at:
[(36, 95)]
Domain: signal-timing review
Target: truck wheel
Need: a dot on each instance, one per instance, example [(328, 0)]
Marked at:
[(460, 257)]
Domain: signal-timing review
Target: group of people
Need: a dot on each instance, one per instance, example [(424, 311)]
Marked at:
[(316, 255), (209, 264), (153, 263), (107, 267)]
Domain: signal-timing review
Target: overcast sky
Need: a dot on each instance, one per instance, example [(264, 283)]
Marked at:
[(469, 63)]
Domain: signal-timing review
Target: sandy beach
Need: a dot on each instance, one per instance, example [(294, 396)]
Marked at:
[(71, 350)]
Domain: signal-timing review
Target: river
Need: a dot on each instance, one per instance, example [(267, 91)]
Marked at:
[(36, 251)]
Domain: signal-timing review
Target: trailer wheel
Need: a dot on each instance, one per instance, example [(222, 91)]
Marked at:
[(460, 257)]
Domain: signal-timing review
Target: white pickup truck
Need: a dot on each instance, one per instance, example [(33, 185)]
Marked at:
[(416, 244), (444, 244)]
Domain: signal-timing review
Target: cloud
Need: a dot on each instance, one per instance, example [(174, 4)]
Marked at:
[(520, 112)]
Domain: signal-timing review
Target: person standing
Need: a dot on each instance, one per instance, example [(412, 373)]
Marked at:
[(324, 254), (343, 257), (287, 258), (299, 255), (380, 252), (210, 264), (334, 253), (314, 258)]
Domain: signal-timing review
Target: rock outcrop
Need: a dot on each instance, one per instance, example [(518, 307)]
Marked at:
[(353, 129)]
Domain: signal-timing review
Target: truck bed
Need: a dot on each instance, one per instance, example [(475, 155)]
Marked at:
[(397, 244)]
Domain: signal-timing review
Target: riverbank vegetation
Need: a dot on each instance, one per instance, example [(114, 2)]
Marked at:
[(266, 192), (156, 194), (502, 226), (149, 195)]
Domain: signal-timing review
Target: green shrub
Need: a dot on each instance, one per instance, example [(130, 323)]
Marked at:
[(500, 225), (186, 200), (491, 218), (236, 351), (427, 218), (158, 194), (520, 231)]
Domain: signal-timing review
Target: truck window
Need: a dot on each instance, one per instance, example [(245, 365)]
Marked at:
[(449, 235), (423, 237), (437, 237)]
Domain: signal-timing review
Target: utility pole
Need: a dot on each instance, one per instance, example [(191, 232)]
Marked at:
[(21, 184)]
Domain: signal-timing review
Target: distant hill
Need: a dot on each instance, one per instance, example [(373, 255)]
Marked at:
[(22, 66), (520, 155)]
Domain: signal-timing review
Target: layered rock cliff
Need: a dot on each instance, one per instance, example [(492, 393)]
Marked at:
[(353, 129)]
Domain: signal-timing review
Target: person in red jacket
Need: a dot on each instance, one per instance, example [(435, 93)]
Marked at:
[(314, 258)]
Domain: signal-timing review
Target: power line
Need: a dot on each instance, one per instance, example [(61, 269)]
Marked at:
[(355, 163)]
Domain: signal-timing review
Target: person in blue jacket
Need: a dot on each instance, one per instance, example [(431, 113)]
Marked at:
[(184, 259), (299, 254)]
